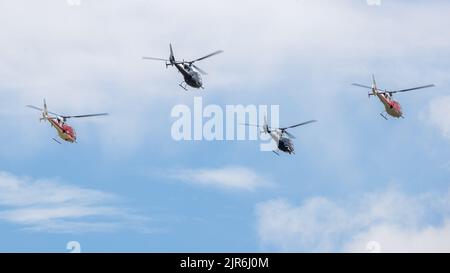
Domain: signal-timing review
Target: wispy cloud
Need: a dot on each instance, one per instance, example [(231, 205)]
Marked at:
[(53, 206), (396, 221), (231, 178)]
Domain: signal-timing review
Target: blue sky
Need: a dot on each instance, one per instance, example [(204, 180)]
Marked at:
[(127, 186)]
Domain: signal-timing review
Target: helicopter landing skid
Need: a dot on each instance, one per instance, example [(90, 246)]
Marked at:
[(384, 116), (184, 87), (56, 140), (276, 153)]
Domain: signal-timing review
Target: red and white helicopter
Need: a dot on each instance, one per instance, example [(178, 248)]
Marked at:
[(64, 130), (391, 106)]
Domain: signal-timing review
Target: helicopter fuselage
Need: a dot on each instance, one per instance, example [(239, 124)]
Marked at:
[(65, 131), (391, 106), (284, 144), (191, 77)]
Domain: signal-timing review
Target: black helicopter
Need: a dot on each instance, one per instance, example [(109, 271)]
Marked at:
[(283, 143), (191, 72)]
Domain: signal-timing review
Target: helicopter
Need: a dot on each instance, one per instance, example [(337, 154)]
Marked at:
[(392, 107), (65, 131), (284, 143), (191, 72)]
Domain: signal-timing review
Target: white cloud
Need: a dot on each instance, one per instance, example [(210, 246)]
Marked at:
[(395, 220), (438, 115), (88, 58), (232, 178), (403, 239), (52, 206)]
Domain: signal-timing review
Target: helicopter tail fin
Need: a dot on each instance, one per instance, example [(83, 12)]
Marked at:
[(171, 57), (374, 87), (44, 112), (265, 126), (45, 108)]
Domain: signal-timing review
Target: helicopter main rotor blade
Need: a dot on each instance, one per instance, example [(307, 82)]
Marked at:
[(253, 125), (42, 110), (411, 89), (199, 69), (300, 124), (35, 108), (207, 56), (361, 85), (289, 134), (85, 116), (155, 59)]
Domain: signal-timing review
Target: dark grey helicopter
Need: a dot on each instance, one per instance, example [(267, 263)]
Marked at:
[(190, 72), (283, 143)]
